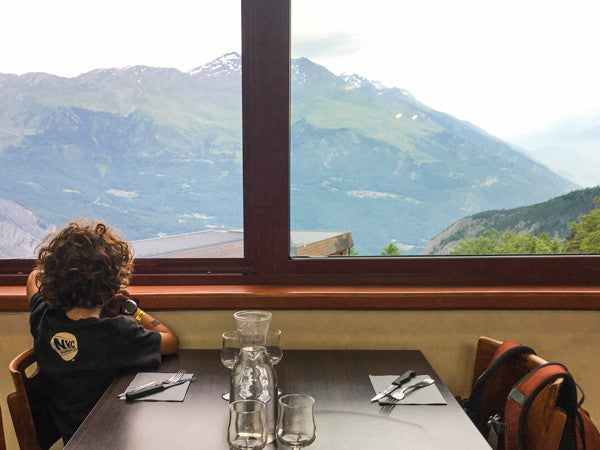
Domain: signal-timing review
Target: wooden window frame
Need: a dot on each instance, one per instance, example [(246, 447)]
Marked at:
[(266, 262)]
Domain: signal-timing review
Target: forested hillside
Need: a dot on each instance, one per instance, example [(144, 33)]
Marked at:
[(551, 217)]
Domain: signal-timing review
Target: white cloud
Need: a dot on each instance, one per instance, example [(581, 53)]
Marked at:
[(108, 39)]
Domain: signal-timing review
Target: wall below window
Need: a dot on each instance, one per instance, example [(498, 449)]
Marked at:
[(447, 338)]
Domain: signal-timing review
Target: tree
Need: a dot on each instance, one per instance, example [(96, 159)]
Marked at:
[(585, 234), (494, 242), (352, 252), (390, 250)]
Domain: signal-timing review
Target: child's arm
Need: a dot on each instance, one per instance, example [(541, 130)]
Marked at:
[(169, 342), (32, 286)]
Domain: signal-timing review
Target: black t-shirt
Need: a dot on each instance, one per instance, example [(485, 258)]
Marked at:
[(78, 359)]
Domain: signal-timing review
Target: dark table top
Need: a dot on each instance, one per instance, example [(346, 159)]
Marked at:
[(337, 379)]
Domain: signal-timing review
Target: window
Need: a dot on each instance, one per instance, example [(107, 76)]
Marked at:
[(266, 182), (126, 112), (417, 126)]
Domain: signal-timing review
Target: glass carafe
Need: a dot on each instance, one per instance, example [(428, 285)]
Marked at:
[(253, 376)]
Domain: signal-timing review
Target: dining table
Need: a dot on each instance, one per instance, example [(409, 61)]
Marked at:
[(338, 380)]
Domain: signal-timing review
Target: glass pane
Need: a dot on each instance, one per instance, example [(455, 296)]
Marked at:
[(128, 112), (434, 127)]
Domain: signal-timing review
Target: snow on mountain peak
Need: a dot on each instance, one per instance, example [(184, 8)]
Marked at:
[(356, 81), (226, 65)]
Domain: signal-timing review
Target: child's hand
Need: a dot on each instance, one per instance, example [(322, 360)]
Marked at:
[(113, 306)]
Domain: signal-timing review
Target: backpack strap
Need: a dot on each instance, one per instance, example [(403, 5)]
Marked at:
[(524, 393), (504, 353), (515, 349), (588, 435)]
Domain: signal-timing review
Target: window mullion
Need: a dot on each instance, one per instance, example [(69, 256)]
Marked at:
[(265, 99)]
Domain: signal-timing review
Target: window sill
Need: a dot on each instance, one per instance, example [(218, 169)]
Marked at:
[(12, 298)]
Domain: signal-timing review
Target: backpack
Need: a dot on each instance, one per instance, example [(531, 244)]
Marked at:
[(503, 394), (579, 431)]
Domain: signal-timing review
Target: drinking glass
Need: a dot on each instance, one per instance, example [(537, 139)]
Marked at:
[(230, 349), (273, 345), (296, 420), (247, 426)]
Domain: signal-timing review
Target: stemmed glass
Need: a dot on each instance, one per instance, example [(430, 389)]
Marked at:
[(247, 425), (296, 420), (230, 349), (273, 345)]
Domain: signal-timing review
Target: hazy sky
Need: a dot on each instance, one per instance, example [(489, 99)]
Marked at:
[(506, 66)]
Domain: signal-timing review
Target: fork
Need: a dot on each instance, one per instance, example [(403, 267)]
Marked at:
[(172, 379), (402, 392)]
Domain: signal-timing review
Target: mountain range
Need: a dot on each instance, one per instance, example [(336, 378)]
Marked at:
[(157, 151)]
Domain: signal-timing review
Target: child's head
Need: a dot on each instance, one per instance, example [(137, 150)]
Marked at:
[(84, 265)]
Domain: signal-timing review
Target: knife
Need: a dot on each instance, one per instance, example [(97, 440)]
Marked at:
[(395, 385), (153, 389)]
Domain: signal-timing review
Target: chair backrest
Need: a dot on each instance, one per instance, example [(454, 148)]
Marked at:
[(486, 347), (545, 422), (30, 416)]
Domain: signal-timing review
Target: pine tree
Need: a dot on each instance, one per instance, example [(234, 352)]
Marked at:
[(390, 250)]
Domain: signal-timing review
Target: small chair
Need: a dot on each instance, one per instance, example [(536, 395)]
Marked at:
[(33, 424), (545, 422)]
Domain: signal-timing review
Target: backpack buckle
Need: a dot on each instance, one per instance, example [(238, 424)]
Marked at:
[(496, 430)]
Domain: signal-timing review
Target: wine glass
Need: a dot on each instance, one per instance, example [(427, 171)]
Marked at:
[(296, 420), (273, 345), (247, 425), (230, 349)]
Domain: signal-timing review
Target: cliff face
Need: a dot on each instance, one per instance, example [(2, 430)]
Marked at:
[(446, 241), (20, 231)]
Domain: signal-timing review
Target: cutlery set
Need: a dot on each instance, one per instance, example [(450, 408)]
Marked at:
[(155, 386), (397, 390)]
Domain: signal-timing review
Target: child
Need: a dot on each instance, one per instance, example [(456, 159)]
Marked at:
[(81, 341)]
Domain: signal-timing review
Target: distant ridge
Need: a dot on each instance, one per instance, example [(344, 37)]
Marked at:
[(550, 217)]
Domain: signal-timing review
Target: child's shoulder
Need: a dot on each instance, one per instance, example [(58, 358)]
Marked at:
[(35, 301)]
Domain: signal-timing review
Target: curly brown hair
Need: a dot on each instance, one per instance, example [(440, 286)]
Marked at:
[(84, 265)]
